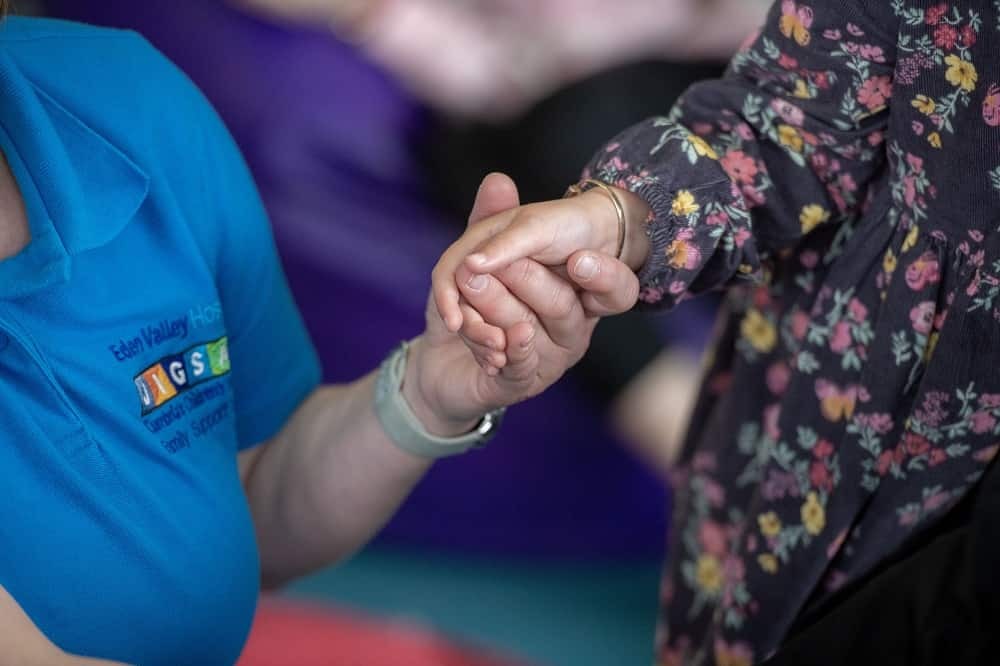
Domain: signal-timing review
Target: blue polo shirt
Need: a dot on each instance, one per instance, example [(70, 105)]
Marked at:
[(147, 335)]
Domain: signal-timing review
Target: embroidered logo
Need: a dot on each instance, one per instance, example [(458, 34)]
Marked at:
[(175, 374)]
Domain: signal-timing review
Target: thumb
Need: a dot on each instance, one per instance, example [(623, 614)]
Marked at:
[(496, 194)]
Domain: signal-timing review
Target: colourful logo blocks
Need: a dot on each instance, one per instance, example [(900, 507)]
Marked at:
[(172, 375)]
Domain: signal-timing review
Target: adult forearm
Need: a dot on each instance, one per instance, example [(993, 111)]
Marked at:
[(23, 644), (327, 482)]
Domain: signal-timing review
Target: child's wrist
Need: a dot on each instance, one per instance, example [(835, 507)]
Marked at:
[(636, 248)]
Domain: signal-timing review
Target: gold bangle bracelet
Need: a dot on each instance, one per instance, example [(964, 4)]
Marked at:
[(574, 190)]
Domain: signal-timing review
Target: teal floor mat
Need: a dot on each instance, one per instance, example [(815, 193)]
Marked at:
[(555, 614)]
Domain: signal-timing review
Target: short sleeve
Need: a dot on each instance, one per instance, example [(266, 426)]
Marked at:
[(274, 365)]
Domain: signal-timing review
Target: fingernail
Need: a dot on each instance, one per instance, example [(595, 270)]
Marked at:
[(586, 267), (477, 282), (477, 259)]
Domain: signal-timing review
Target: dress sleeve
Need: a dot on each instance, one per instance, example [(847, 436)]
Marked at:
[(743, 167)]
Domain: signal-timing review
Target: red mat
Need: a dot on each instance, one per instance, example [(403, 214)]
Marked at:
[(287, 633)]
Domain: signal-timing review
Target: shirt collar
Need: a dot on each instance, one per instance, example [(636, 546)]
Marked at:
[(80, 190)]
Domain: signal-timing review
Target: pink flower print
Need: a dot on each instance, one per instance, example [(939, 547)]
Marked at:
[(982, 422), (712, 537), (976, 235), (936, 501), (909, 190), (923, 271), (945, 36), (771, 415), (809, 259), (916, 445), (823, 449), (733, 569), (857, 310), (973, 287), (915, 162), (840, 340), (884, 462), (739, 166), (718, 218), (876, 139), (820, 164), (872, 53), (678, 287), (752, 196), (855, 30), (851, 47), (934, 15), (703, 461), (991, 106), (908, 516), (846, 182), (786, 61), (922, 317), (744, 131), (790, 113), (918, 127), (800, 324), (819, 476), (881, 423), (936, 457), (832, 34), (875, 91), (702, 129), (968, 36), (777, 378), (741, 236), (822, 80), (651, 294), (714, 493), (989, 400)]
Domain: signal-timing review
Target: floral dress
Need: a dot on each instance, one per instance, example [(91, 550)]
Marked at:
[(843, 180)]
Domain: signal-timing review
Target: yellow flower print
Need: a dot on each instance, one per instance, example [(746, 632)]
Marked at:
[(911, 238), (768, 562), (812, 216), (924, 104), (961, 73), (708, 573), (701, 147), (801, 90), (759, 332), (790, 137), (813, 514), (934, 139), (770, 524), (684, 204), (889, 262)]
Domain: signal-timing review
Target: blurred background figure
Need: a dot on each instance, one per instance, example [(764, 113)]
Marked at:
[(368, 125)]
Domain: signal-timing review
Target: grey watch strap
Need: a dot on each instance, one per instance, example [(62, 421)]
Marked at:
[(401, 424)]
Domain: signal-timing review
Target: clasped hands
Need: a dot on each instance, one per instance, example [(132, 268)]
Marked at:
[(515, 300)]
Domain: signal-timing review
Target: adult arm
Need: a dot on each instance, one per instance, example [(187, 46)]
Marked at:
[(23, 644)]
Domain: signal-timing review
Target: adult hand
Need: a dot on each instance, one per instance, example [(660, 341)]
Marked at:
[(524, 328), (552, 233)]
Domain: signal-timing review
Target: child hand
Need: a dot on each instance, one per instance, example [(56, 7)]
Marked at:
[(551, 233)]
